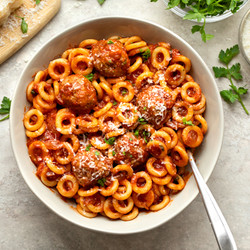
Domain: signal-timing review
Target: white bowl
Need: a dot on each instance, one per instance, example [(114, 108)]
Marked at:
[(210, 19), (243, 36), (101, 28)]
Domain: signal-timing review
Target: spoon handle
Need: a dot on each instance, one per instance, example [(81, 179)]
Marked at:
[(221, 229)]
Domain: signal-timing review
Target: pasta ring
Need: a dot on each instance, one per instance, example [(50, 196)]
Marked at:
[(37, 124), (104, 110), (179, 156), (182, 60), (88, 192), (160, 62), (165, 201), (192, 96), (124, 208), (132, 215), (192, 136), (45, 178), (50, 96), (33, 147), (118, 95), (67, 186), (142, 189), (40, 131), (144, 200), (59, 68), (64, 159), (109, 209), (81, 65), (124, 194), (178, 111), (181, 183), (175, 74), (132, 115), (61, 116)]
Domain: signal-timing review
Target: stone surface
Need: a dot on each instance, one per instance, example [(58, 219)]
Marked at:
[(26, 223)]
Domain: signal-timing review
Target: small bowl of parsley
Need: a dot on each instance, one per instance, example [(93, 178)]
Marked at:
[(203, 12)]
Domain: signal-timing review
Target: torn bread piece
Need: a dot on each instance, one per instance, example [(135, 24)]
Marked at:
[(7, 7)]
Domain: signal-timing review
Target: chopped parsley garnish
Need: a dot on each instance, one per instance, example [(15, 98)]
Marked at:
[(144, 108), (145, 135), (37, 2), (110, 61), (136, 133), (90, 77), (88, 147), (113, 153), (131, 156), (33, 92), (131, 139), (185, 122), (97, 153), (234, 93), (110, 141), (146, 54), (142, 120), (124, 152), (114, 103), (110, 42), (124, 92), (101, 182), (162, 148), (5, 108)]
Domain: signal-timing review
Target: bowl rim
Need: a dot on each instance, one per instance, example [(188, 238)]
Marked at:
[(240, 34), (210, 19), (15, 149)]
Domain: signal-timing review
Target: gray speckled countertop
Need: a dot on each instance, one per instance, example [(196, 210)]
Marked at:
[(26, 223)]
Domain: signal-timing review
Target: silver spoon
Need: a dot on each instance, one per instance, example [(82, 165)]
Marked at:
[(221, 229)]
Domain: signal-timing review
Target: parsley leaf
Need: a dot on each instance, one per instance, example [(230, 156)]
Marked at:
[(142, 120), (113, 153), (115, 102), (110, 141), (88, 147), (185, 122), (97, 153), (233, 94), (37, 2), (90, 77), (5, 108), (101, 2), (136, 133), (228, 96), (146, 54), (101, 182), (227, 56), (153, 1), (110, 42)]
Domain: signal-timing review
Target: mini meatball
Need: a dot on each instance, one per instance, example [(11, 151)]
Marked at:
[(77, 93), (110, 58), (130, 149), (90, 166), (154, 104)]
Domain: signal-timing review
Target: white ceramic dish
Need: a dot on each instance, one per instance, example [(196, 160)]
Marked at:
[(243, 36), (103, 28), (210, 19)]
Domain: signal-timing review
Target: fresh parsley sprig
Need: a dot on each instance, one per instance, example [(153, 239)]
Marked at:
[(234, 93), (37, 1), (110, 141), (5, 108), (199, 10)]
